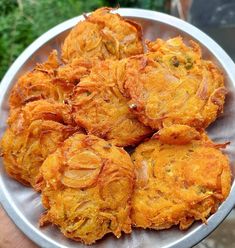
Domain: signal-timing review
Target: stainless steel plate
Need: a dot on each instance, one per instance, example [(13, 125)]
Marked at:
[(23, 204)]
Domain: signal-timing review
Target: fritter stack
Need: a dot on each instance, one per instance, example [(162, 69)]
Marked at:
[(73, 119)]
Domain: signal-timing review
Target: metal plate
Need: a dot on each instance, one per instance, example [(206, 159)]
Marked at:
[(23, 204)]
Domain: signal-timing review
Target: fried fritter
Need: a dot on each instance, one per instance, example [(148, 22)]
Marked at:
[(100, 108), (72, 72), (40, 84), (178, 184), (103, 35), (177, 134), (173, 85), (86, 189), (175, 54), (49, 80), (34, 131)]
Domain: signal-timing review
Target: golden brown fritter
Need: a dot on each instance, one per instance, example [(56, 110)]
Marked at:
[(177, 134), (86, 189), (175, 54), (40, 84), (100, 108), (103, 35), (34, 132), (49, 80), (173, 85), (72, 72), (178, 184)]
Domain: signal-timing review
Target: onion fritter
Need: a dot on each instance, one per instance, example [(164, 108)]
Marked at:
[(103, 35), (175, 54), (178, 184), (72, 72), (100, 108), (177, 134), (40, 84), (86, 189), (49, 81), (34, 131), (173, 85)]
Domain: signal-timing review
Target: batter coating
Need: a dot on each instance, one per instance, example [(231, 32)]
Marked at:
[(86, 189), (34, 132), (72, 72), (40, 84), (173, 85), (178, 184), (103, 35), (102, 110), (174, 54)]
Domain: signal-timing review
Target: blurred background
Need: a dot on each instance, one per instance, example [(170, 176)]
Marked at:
[(22, 21)]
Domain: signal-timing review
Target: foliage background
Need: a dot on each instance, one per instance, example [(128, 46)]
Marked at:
[(22, 21)]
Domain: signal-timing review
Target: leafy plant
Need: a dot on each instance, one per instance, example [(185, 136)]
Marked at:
[(22, 21)]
